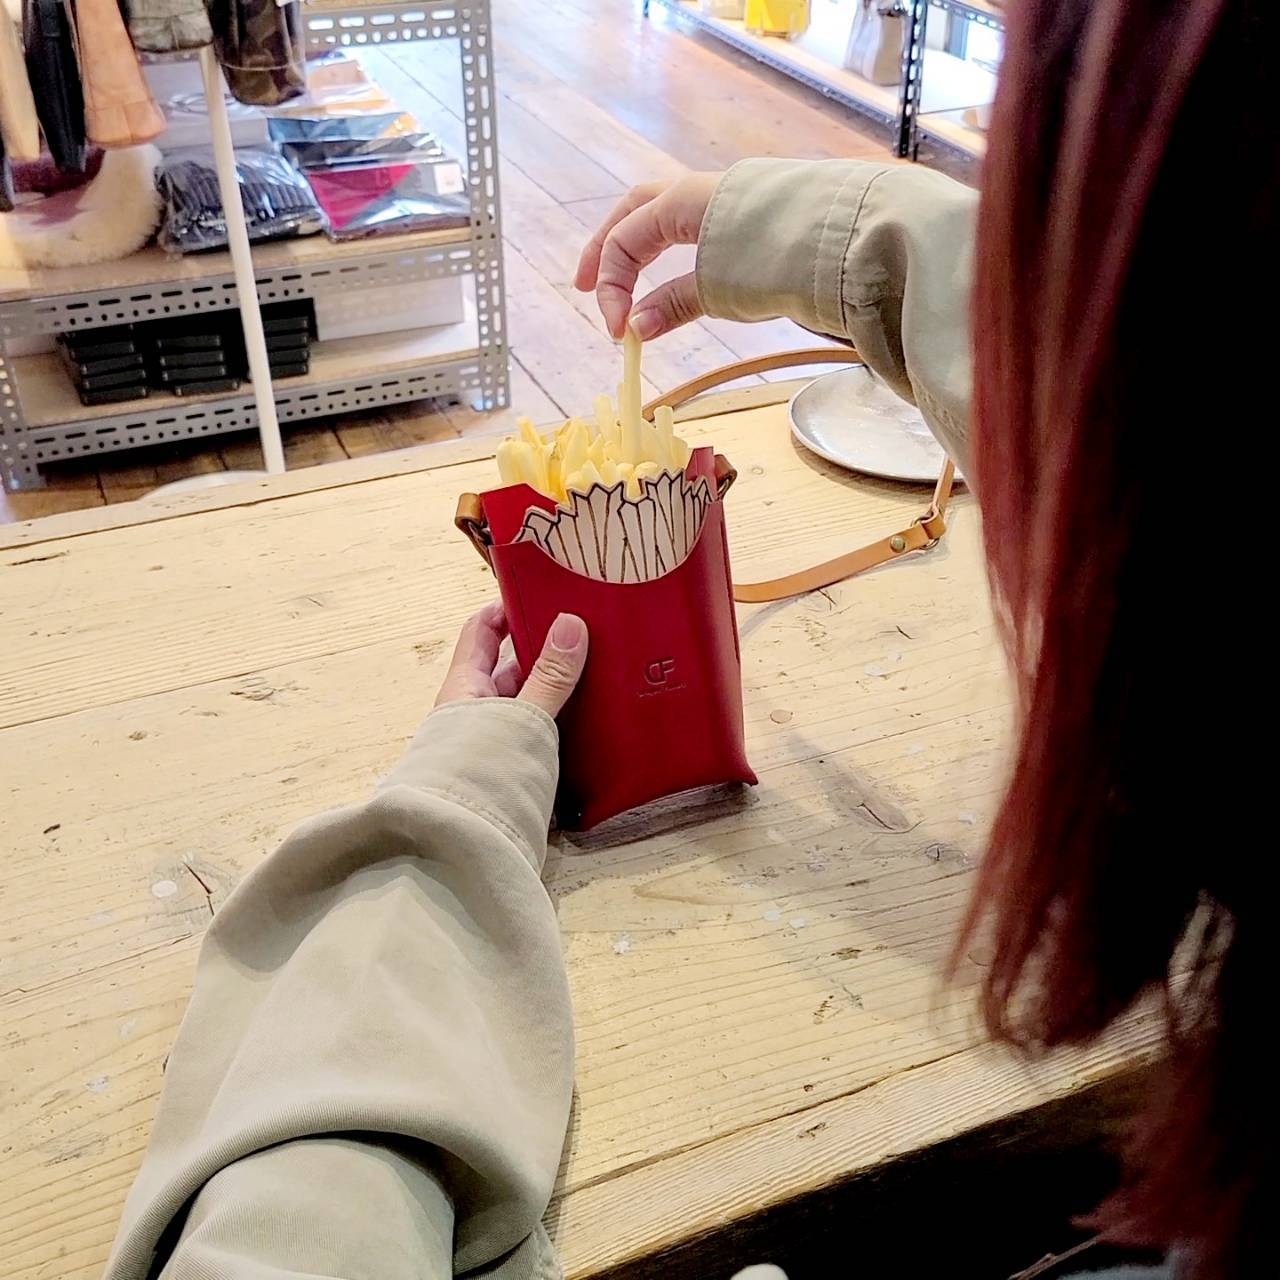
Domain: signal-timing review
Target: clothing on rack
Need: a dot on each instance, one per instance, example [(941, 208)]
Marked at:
[(875, 41), (260, 47), (6, 181), (42, 177), (163, 26), (53, 67), (19, 124), (108, 212), (119, 108)]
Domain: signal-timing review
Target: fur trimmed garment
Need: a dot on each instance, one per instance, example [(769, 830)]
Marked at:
[(109, 217)]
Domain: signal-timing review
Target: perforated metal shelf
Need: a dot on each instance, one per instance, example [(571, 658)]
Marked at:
[(151, 285), (171, 418), (986, 15), (346, 374), (356, 24)]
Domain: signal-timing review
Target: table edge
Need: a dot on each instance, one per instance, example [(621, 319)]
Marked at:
[(645, 1211)]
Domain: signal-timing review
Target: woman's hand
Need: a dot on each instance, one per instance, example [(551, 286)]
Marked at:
[(476, 671), (647, 220)]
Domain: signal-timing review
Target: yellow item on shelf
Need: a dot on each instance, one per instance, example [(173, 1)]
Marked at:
[(777, 17)]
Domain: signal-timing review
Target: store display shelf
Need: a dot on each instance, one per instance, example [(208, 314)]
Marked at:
[(346, 374), (950, 84), (954, 129), (876, 100), (40, 418), (152, 284), (344, 22), (982, 12)]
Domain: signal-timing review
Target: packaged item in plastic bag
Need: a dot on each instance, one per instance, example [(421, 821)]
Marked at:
[(277, 200), (323, 153), (444, 175), (385, 198), (340, 100), (187, 122), (320, 128), (334, 68)]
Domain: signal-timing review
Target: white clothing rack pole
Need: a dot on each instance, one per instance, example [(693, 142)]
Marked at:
[(255, 343)]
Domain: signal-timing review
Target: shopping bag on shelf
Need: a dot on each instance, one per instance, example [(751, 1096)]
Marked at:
[(876, 40), (787, 18)]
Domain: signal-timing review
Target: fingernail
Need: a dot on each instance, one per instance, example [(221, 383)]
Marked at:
[(568, 632), (615, 320), (646, 324)]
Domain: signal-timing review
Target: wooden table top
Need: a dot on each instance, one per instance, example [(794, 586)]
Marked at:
[(756, 974)]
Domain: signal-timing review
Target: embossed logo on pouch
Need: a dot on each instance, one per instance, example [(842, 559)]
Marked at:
[(660, 677)]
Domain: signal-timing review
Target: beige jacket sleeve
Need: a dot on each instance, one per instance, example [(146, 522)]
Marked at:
[(374, 1074), (877, 254)]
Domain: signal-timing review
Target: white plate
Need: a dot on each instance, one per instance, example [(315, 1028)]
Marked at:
[(852, 419)]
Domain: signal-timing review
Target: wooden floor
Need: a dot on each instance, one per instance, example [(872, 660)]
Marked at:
[(592, 98)]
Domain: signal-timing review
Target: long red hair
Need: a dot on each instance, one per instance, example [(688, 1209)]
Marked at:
[(1123, 411)]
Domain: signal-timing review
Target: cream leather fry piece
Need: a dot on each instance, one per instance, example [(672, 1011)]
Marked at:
[(613, 446), (608, 535)]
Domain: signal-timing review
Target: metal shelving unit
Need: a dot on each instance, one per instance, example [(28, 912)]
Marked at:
[(913, 124), (897, 106), (42, 421), (976, 11), (880, 102)]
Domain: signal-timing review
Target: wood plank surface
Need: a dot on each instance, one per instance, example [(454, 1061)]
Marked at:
[(755, 972)]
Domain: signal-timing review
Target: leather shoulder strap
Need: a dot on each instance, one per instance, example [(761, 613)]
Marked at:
[(921, 534), (745, 368)]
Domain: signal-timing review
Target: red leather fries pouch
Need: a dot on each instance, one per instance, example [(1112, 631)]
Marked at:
[(659, 707)]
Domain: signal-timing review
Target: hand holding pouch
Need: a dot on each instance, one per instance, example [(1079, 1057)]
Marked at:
[(659, 707)]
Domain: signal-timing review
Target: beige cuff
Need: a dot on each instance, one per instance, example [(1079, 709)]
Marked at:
[(774, 240), (497, 757)]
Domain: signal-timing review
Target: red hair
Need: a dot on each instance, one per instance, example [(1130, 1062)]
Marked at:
[(1127, 233)]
